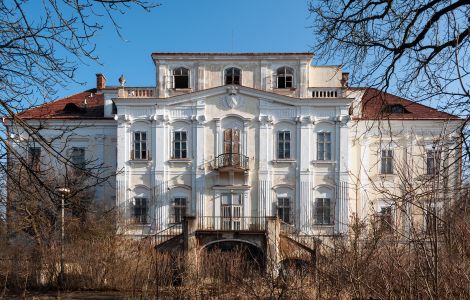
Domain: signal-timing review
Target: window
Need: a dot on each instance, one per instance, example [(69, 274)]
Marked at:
[(139, 211), (283, 210), (386, 163), (283, 144), (180, 144), (34, 154), (323, 211), (432, 162), (181, 78), (179, 209), (285, 76), (432, 219), (140, 145), (232, 76), (394, 109), (77, 157), (384, 218), (231, 211), (324, 146)]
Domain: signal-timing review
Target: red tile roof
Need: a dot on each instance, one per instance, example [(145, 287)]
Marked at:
[(94, 109), (374, 104)]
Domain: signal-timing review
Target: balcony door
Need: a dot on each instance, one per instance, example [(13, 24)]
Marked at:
[(231, 211), (232, 147)]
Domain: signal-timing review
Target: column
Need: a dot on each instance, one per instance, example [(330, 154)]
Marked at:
[(123, 152), (305, 174), (342, 180), (264, 176), (161, 183)]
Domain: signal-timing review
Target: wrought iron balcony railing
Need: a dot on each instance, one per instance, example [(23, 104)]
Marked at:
[(231, 223), (231, 160)]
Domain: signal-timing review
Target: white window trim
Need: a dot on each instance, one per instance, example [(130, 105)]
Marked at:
[(172, 145), (275, 77), (317, 144), (147, 144)]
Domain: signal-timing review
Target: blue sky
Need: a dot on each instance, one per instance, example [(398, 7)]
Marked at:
[(194, 26)]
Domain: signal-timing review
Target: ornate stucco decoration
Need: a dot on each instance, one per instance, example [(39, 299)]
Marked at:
[(232, 99), (200, 119), (266, 120), (161, 119)]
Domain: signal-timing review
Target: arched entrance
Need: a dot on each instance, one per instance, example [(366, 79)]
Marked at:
[(230, 257)]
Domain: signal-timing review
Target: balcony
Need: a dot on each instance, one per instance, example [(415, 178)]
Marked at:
[(255, 224), (137, 92), (231, 162)]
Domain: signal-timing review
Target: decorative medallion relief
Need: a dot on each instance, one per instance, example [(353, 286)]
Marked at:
[(232, 99)]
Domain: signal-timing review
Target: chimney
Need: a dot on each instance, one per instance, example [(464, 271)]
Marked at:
[(100, 81), (344, 79)]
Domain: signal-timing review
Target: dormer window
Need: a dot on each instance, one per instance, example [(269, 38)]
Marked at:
[(181, 78), (71, 108), (394, 109), (285, 78), (232, 76)]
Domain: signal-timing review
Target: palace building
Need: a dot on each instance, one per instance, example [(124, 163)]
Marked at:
[(255, 148)]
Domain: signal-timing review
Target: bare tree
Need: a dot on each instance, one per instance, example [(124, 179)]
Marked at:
[(419, 49)]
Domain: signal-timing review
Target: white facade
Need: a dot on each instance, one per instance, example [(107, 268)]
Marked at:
[(276, 139)]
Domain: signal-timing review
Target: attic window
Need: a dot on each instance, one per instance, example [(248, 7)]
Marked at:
[(181, 78), (394, 109), (72, 108), (232, 76)]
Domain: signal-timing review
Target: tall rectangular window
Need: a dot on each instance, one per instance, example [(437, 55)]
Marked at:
[(139, 211), (324, 146), (77, 157), (386, 162), (432, 162), (283, 144), (385, 218), (433, 219), (140, 145), (284, 210), (179, 209), (34, 156), (180, 144), (323, 211)]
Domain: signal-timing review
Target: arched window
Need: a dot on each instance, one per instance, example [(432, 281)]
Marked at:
[(181, 78), (232, 76), (285, 77)]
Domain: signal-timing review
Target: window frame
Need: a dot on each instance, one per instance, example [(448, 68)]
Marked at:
[(282, 72), (327, 145), (72, 157), (433, 169), (140, 142), (178, 210), (175, 76), (140, 211), (232, 76), (179, 142), (34, 158), (430, 210), (384, 218), (320, 212), (282, 207), (284, 142), (387, 165)]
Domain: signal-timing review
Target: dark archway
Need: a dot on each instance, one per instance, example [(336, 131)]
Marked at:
[(224, 258)]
